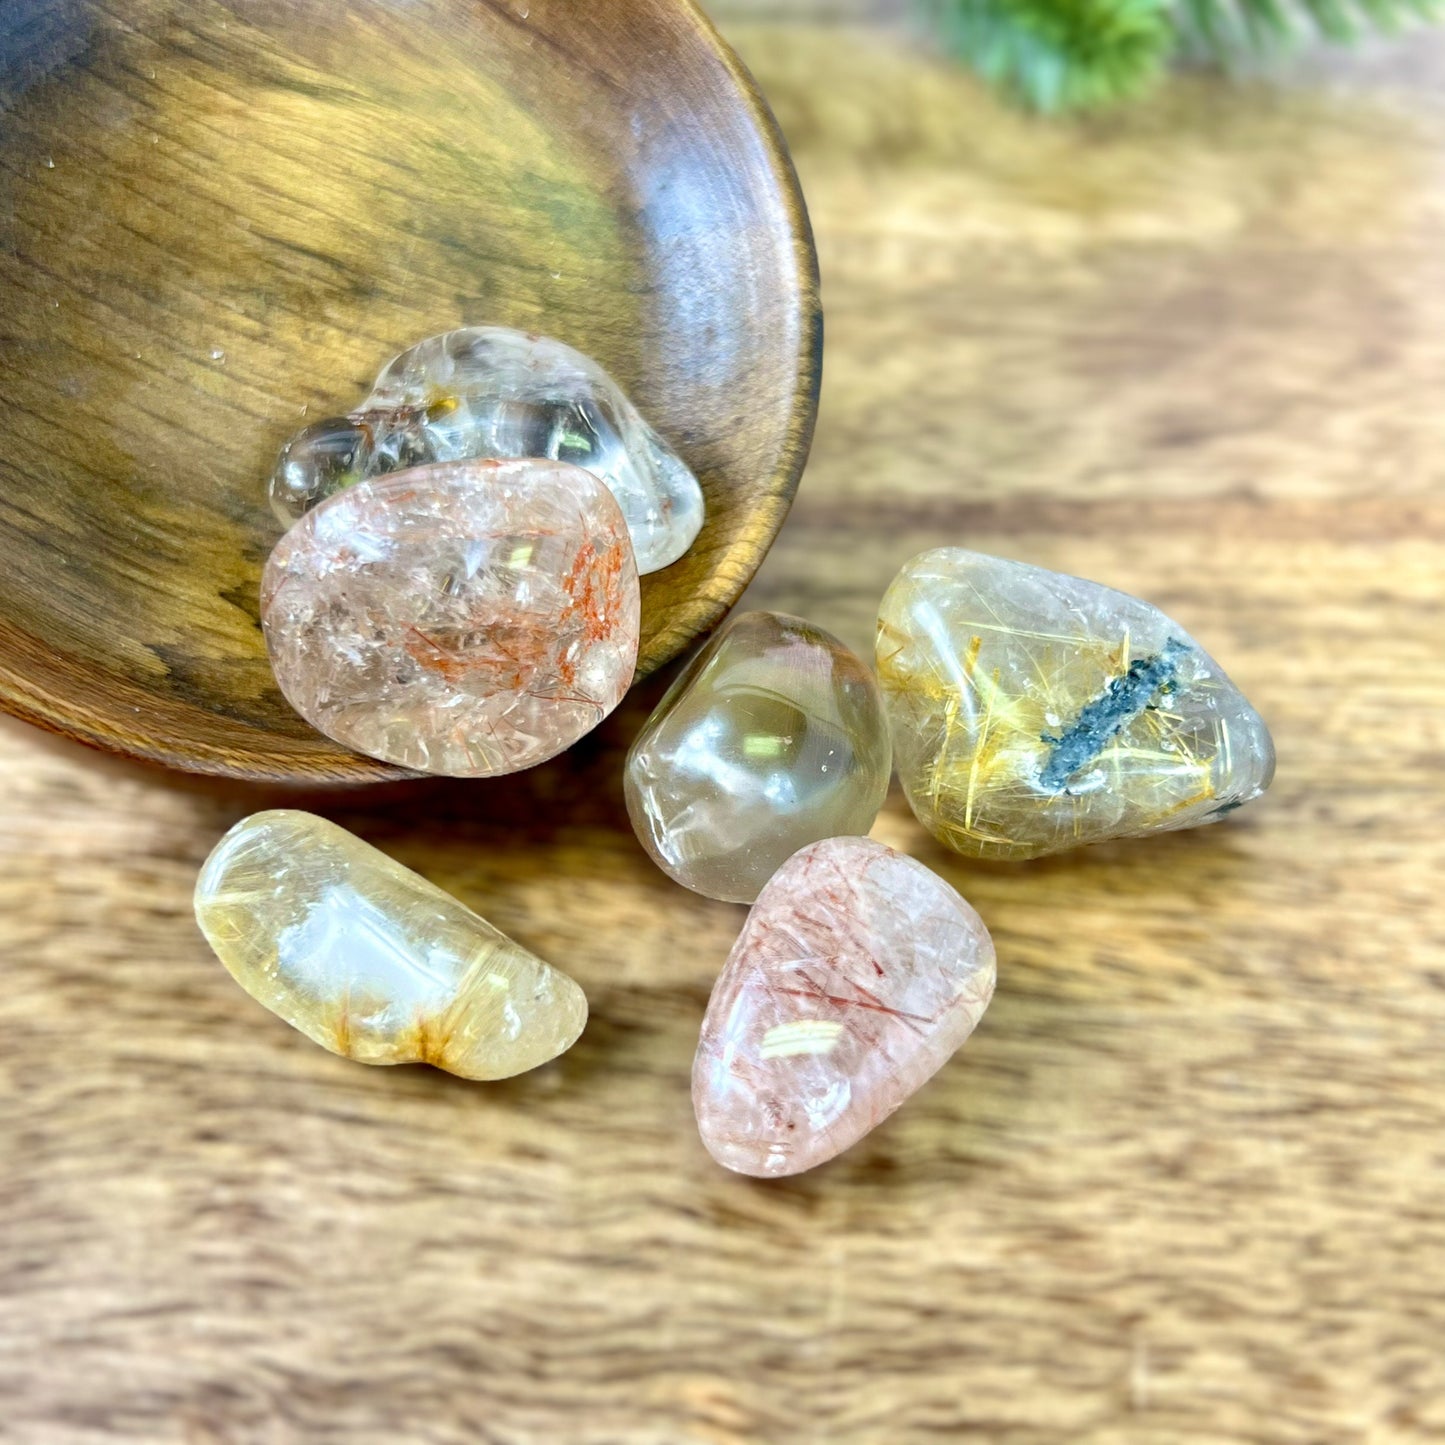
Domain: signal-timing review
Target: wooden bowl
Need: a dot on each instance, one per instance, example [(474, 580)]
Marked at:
[(218, 217)]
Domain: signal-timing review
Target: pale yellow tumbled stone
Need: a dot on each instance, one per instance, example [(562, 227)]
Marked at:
[(373, 962)]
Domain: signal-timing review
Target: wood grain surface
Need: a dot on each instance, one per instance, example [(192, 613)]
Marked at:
[(221, 217), (1185, 1182)]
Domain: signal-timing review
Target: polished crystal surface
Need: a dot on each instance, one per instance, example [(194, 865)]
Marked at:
[(370, 960), (857, 975), (489, 392), (469, 618), (1032, 711), (773, 737)]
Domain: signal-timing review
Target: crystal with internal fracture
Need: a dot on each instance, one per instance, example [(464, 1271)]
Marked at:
[(469, 618), (1032, 711), (774, 737), (489, 392), (373, 962), (857, 975)]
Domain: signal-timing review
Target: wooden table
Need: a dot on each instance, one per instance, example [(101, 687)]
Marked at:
[(1185, 1184)]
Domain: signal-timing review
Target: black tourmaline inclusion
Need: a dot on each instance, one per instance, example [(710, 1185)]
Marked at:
[(1117, 706)]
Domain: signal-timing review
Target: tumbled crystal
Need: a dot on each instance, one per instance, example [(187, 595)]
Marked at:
[(773, 737), (468, 618), (1032, 711), (857, 975), (373, 962), (488, 392)]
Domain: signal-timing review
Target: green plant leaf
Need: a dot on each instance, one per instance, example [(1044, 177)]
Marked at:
[(1076, 54), (1060, 54), (1228, 31)]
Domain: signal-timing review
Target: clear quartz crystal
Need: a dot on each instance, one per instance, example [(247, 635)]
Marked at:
[(857, 975), (1033, 711), (488, 392), (373, 962), (467, 618), (773, 737)]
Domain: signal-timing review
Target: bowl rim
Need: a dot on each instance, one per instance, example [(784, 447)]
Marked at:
[(35, 688)]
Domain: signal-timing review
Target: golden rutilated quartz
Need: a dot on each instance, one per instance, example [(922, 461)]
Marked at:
[(1032, 712), (370, 960)]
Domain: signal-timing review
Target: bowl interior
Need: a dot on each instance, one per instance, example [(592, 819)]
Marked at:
[(220, 217)]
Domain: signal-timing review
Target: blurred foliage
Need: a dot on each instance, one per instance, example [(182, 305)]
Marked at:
[(1080, 54)]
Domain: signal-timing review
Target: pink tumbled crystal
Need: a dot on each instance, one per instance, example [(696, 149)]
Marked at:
[(857, 974), (466, 618)]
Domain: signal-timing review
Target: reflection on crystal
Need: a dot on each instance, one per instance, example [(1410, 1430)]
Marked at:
[(319, 460), (1032, 712), (487, 392)]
